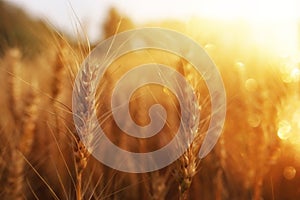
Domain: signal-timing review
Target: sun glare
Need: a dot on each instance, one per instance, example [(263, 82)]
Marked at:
[(256, 11), (289, 126), (274, 24)]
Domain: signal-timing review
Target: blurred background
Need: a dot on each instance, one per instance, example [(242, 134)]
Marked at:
[(254, 44)]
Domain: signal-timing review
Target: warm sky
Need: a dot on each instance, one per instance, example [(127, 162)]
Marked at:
[(92, 12)]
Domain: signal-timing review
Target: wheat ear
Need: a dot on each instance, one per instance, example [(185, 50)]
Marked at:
[(58, 71), (81, 160), (159, 184), (185, 170), (20, 148), (13, 59), (186, 165), (86, 124)]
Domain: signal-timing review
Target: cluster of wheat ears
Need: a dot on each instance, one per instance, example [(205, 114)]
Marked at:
[(42, 156)]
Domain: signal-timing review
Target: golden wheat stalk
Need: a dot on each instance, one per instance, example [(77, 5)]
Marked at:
[(81, 159), (30, 115), (21, 147), (186, 166), (86, 126), (58, 71), (220, 163), (185, 170)]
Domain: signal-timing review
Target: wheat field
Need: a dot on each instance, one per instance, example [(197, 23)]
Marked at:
[(42, 156)]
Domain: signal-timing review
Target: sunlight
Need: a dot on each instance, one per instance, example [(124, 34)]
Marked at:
[(289, 126), (274, 24), (279, 37), (256, 11)]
